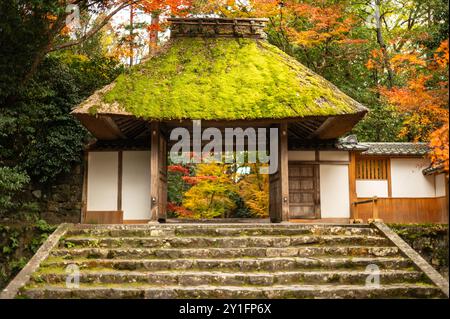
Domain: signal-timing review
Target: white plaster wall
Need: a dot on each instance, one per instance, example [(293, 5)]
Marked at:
[(334, 191), (408, 180), (371, 188), (302, 155), (102, 183), (136, 184), (334, 156), (440, 185)]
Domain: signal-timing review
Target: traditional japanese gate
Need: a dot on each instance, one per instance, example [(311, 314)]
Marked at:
[(226, 85)]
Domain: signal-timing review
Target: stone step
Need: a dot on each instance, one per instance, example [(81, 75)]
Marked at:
[(301, 251), (195, 278), (273, 292), (186, 230), (242, 264), (223, 242)]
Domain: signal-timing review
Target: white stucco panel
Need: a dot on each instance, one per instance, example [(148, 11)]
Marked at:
[(371, 188), (102, 182), (136, 185), (334, 156), (408, 180), (334, 191), (302, 155), (440, 185)]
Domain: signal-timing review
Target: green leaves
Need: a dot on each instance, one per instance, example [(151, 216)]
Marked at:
[(12, 180), (39, 138)]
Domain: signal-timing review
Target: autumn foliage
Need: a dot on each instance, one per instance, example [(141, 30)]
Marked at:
[(424, 99), (210, 190)]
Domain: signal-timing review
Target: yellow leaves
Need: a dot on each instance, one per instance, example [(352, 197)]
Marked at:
[(209, 196), (254, 190), (218, 187), (266, 8)]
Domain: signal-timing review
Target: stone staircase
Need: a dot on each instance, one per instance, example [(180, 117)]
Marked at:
[(227, 261)]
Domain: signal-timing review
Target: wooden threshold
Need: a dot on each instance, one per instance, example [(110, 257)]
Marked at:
[(136, 221), (217, 220)]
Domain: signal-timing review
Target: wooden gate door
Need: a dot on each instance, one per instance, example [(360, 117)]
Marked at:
[(304, 192)]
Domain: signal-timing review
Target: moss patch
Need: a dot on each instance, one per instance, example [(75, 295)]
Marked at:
[(429, 240), (225, 79)]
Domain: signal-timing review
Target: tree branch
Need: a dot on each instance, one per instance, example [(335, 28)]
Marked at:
[(91, 32)]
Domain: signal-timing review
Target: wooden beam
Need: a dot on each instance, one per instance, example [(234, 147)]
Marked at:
[(337, 126), (323, 127), (113, 126), (99, 127)]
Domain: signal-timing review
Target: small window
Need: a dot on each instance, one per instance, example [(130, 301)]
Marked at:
[(376, 168)]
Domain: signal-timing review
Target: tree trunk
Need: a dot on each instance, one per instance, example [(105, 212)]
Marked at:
[(382, 44), (153, 36), (131, 35)]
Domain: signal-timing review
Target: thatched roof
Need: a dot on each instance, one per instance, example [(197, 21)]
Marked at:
[(220, 79)]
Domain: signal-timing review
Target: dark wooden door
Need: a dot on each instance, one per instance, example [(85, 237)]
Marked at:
[(304, 194)]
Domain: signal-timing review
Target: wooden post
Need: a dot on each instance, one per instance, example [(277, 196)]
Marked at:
[(375, 208), (352, 186), (284, 171), (119, 181), (158, 174), (389, 177), (355, 213), (154, 170), (85, 188)]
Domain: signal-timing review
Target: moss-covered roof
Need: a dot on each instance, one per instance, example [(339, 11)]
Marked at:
[(220, 79)]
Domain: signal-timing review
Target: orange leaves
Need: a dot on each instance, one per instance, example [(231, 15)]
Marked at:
[(376, 60), (439, 146), (179, 169), (172, 7), (180, 211), (424, 99), (327, 23), (441, 55), (407, 62), (306, 23)]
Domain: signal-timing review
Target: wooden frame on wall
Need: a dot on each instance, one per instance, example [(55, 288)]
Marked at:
[(106, 217), (387, 171)]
